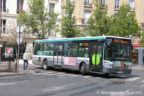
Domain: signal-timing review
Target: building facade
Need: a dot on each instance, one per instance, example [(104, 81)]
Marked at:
[(11, 8), (82, 12), (9, 13), (83, 9)]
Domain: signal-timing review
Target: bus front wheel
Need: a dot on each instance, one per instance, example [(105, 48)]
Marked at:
[(45, 65), (83, 69)]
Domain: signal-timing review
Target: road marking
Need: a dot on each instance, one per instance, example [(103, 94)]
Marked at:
[(133, 79), (87, 76), (5, 84), (56, 88)]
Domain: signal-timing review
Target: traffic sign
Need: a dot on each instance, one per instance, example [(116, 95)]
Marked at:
[(9, 51)]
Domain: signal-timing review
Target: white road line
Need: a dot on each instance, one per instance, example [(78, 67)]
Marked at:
[(87, 76), (5, 84), (133, 79), (56, 88)]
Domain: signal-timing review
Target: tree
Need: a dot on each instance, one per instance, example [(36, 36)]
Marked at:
[(124, 24), (37, 20), (99, 21), (68, 29)]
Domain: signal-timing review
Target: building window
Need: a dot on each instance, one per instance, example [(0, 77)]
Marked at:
[(51, 8), (117, 4), (3, 26), (87, 15), (20, 5), (131, 3), (103, 2), (87, 2), (3, 5)]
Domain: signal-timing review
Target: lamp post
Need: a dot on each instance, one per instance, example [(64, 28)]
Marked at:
[(19, 41)]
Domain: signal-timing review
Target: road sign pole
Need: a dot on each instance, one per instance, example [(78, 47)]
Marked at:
[(18, 48), (19, 30), (18, 56)]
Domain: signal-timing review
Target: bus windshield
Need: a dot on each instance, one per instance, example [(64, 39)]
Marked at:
[(118, 51)]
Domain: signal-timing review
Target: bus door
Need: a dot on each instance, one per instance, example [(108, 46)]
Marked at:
[(96, 54), (58, 55)]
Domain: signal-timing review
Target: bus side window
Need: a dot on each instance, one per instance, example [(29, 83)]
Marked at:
[(38, 49), (86, 52), (73, 49), (83, 50)]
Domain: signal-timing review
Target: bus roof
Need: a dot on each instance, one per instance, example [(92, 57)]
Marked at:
[(79, 39)]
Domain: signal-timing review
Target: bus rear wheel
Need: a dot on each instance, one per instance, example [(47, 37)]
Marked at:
[(45, 65), (83, 69)]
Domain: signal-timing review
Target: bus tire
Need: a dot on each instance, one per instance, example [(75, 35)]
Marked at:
[(45, 65), (83, 69)]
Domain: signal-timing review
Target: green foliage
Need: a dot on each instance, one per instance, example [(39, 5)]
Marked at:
[(121, 24), (37, 20), (99, 21), (124, 24), (68, 29)]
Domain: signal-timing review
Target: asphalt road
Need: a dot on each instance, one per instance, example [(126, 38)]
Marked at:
[(66, 83)]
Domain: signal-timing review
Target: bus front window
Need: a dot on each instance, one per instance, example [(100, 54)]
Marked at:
[(118, 52)]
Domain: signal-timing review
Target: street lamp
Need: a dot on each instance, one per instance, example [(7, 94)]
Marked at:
[(19, 41)]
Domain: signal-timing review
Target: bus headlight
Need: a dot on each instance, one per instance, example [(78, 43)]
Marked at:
[(107, 64)]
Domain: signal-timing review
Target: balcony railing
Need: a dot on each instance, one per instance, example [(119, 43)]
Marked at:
[(85, 21), (132, 9), (20, 10), (117, 7)]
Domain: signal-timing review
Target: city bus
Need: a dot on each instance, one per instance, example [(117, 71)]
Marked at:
[(101, 54)]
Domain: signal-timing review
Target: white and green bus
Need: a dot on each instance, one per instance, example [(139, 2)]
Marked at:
[(104, 55)]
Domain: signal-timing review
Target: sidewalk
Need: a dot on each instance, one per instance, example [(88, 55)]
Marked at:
[(20, 71), (138, 67)]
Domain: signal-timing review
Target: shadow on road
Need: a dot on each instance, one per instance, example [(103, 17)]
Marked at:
[(66, 71)]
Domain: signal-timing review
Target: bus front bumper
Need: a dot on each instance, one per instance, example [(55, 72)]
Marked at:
[(119, 70)]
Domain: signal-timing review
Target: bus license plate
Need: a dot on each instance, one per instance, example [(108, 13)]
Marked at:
[(119, 72)]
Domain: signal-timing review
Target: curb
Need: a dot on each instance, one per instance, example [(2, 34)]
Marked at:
[(15, 74)]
